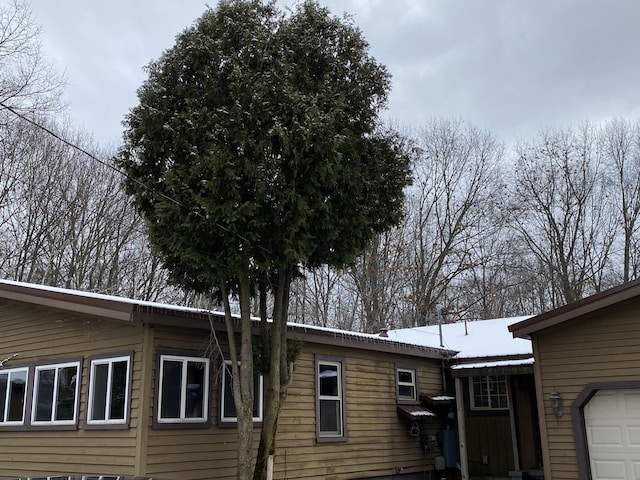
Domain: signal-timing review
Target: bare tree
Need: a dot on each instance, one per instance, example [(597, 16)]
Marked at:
[(28, 82), (455, 184), (621, 147), (560, 213)]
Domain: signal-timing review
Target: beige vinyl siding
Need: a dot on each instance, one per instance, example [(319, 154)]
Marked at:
[(377, 439), (377, 443), (42, 334), (596, 348)]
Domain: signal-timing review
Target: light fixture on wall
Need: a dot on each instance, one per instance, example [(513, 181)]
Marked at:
[(556, 402)]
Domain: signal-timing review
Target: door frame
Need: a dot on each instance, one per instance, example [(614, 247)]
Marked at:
[(577, 418)]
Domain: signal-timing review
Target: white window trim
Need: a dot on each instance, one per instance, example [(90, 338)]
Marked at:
[(339, 398), (472, 396), (183, 389), (57, 367), (413, 384), (109, 361), (3, 421), (226, 370)]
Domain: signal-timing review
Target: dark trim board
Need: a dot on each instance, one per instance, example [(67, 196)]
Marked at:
[(577, 418)]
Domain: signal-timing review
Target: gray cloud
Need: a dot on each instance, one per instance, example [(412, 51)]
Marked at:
[(510, 66)]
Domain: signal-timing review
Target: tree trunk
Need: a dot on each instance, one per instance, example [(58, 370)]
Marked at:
[(278, 377), (242, 372)]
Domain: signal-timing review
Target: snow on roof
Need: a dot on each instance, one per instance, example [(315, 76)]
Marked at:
[(494, 364), (364, 337), (479, 338)]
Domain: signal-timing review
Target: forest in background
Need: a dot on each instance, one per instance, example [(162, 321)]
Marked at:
[(491, 229)]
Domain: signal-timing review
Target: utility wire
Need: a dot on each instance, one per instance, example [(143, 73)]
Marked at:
[(124, 174)]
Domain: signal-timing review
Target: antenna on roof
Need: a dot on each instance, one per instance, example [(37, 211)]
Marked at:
[(439, 311)]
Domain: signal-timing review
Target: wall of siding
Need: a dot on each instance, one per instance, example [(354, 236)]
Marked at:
[(39, 334), (600, 347), (378, 442)]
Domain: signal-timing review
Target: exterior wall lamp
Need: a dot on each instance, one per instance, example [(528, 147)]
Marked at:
[(556, 402)]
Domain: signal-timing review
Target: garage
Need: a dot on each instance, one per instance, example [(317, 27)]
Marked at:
[(612, 425), (587, 371)]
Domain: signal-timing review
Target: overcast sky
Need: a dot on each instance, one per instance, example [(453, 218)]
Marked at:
[(512, 66)]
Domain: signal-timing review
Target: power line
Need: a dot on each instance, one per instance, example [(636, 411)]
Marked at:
[(124, 174)]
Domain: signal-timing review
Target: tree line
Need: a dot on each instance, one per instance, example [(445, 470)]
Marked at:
[(491, 231), (488, 231)]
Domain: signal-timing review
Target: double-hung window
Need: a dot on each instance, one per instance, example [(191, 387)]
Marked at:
[(55, 394), (489, 392), (228, 413), (330, 414), (108, 399), (13, 387), (406, 385), (183, 389)]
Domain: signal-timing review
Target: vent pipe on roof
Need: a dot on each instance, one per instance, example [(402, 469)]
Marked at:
[(439, 311), (383, 332)]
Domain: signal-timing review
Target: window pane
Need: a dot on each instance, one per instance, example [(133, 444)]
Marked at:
[(405, 376), (99, 381), (406, 391), (65, 405), (4, 380), (229, 406), (17, 391), (44, 402), (330, 417), (118, 390), (195, 382), (257, 396), (328, 380), (171, 386)]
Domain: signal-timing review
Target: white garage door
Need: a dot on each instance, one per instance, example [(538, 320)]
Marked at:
[(612, 421)]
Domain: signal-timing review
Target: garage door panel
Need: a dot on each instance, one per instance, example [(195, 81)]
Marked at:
[(610, 470), (606, 436), (612, 422), (634, 436)]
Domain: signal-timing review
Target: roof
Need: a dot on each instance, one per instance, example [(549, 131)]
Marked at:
[(472, 339), (132, 311), (606, 298)]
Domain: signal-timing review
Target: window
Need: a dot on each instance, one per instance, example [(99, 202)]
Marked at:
[(330, 399), (228, 405), (489, 392), (108, 401), (406, 384), (183, 389), (13, 387), (55, 394)]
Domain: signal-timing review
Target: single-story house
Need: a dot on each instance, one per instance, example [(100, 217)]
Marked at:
[(587, 370), (100, 384), (492, 381)]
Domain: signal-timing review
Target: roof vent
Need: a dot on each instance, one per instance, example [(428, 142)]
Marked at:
[(383, 332)]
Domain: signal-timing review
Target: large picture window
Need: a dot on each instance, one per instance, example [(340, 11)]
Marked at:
[(108, 401), (228, 406), (13, 387), (55, 394), (330, 416), (489, 392), (183, 389)]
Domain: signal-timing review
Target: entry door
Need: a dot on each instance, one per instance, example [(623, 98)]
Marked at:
[(612, 421)]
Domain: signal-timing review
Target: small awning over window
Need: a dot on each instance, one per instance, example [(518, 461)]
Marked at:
[(436, 400), (415, 412)]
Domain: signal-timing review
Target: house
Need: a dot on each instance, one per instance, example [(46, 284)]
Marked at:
[(108, 385), (587, 369), (492, 381)]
